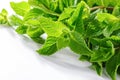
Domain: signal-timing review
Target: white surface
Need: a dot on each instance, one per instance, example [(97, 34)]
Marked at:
[(19, 61)]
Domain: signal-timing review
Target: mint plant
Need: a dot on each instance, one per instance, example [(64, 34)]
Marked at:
[(90, 28)]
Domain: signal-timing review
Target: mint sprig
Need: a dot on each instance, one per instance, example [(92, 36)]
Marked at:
[(90, 28)]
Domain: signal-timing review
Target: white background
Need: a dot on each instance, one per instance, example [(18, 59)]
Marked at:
[(19, 62)]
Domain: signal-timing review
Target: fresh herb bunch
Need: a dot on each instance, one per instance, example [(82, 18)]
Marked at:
[(90, 28)]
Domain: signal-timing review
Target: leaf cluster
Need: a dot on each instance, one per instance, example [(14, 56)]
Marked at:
[(90, 28)]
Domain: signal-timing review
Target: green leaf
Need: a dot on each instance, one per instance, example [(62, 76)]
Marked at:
[(21, 29), (94, 28), (79, 21), (61, 5), (34, 13), (14, 20), (32, 22), (39, 40), (45, 2), (103, 53), (49, 47), (116, 11), (33, 2), (45, 7), (66, 14), (97, 41), (54, 5), (78, 44), (112, 2), (82, 11), (98, 67), (102, 2), (52, 28), (84, 58), (4, 12), (63, 41), (71, 2), (21, 8), (111, 27), (115, 38), (110, 21), (65, 4), (112, 65), (34, 31), (3, 17), (91, 2), (106, 17)]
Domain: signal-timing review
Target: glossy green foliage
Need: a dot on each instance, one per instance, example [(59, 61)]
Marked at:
[(90, 28)]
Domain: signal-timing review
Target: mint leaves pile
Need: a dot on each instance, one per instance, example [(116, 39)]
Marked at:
[(90, 28)]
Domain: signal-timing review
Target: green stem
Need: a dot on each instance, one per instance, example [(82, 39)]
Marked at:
[(101, 7)]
